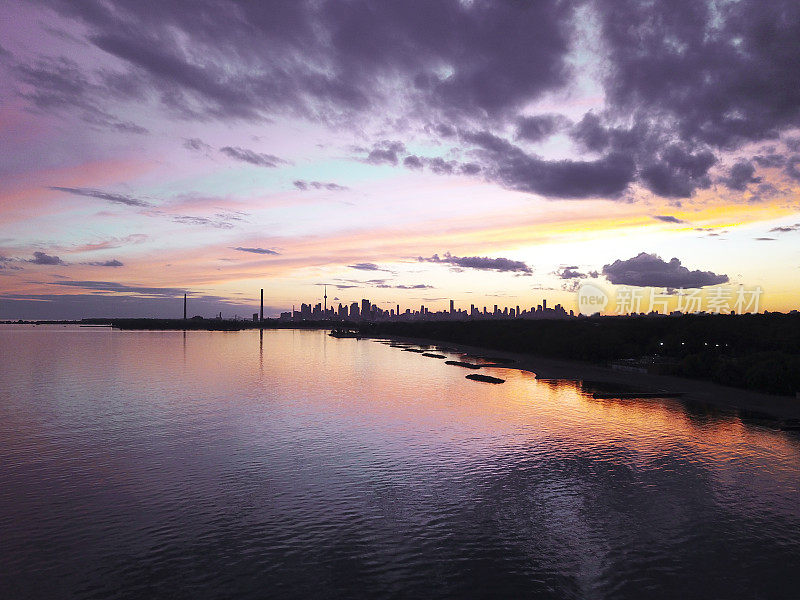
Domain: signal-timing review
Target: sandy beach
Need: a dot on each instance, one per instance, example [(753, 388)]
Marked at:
[(749, 404)]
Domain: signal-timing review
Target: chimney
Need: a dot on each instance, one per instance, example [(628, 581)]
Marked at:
[(184, 306), (262, 304)]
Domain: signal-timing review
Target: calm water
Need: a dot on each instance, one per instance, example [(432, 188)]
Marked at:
[(222, 465)]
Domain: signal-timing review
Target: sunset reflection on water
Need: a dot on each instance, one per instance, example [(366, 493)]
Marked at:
[(304, 463)]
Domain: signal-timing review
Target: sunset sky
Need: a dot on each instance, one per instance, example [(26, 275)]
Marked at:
[(406, 152)]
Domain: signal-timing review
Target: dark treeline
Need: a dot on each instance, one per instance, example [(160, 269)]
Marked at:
[(760, 352)]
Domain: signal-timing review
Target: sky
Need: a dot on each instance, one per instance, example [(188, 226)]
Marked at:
[(409, 152)]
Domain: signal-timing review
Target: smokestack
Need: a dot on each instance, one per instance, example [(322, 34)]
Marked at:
[(262, 304), (184, 306)]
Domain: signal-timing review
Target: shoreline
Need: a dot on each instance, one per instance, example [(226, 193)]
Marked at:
[(747, 403), (753, 405)]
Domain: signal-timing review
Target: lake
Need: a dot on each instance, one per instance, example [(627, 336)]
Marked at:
[(291, 464)]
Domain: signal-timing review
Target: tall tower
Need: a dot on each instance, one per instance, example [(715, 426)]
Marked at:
[(326, 301), (184, 306), (262, 304)]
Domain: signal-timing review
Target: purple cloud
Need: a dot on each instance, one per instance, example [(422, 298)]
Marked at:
[(257, 250), (318, 185), (253, 158), (740, 175), (40, 258), (106, 263), (649, 270), (100, 195), (482, 263)]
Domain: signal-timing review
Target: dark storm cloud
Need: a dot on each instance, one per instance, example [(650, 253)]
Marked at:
[(257, 250), (770, 160), (105, 120), (721, 73), (40, 258), (385, 151), (678, 172), (668, 219), (440, 166), (196, 144), (591, 133), (412, 162), (664, 166), (243, 59), (539, 127), (649, 270), (684, 80), (60, 84), (436, 165), (510, 166), (248, 156), (482, 263), (703, 77), (470, 169), (444, 130), (100, 195), (791, 167), (740, 175), (319, 185)]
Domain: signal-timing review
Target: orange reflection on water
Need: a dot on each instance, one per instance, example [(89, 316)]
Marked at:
[(372, 386)]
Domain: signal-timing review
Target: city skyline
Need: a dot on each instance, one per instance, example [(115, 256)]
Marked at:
[(500, 153), (365, 310), (627, 301)]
